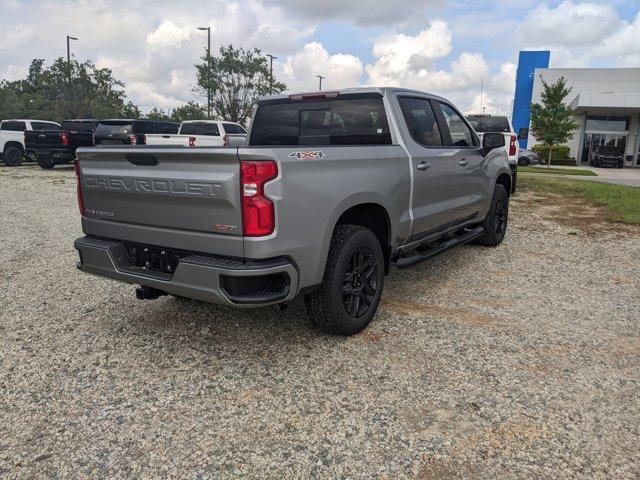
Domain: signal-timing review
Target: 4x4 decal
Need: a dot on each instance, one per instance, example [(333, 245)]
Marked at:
[(306, 155)]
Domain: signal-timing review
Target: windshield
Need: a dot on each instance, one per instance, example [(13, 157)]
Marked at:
[(112, 128), (483, 123), (609, 150)]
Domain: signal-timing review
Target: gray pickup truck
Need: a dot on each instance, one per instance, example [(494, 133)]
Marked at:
[(332, 190)]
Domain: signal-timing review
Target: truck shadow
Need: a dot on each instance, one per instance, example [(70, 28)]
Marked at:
[(208, 326)]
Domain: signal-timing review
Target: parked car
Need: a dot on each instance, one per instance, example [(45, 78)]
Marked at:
[(203, 133), (332, 190), (130, 132), (55, 147), (12, 138), (528, 157), (607, 156), (501, 124)]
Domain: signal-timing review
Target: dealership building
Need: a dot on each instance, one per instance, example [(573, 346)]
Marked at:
[(605, 101)]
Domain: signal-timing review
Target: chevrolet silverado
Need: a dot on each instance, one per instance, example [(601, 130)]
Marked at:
[(332, 190)]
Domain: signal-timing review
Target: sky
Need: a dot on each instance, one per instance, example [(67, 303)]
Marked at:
[(444, 47)]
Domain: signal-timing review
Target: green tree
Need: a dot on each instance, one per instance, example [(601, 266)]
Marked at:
[(236, 79), (189, 111), (158, 114), (552, 121), (65, 90)]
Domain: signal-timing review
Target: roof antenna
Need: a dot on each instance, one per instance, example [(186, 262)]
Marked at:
[(481, 95)]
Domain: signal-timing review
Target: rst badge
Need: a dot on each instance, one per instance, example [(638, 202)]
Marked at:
[(307, 155)]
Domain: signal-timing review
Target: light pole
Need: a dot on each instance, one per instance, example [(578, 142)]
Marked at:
[(68, 49), (271, 59), (320, 77), (208, 29)]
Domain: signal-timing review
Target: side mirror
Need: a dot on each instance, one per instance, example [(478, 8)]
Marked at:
[(492, 140), (523, 133)]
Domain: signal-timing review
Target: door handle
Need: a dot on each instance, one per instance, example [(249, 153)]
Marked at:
[(463, 162), (423, 166)]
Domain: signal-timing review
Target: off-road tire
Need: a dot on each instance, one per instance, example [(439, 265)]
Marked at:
[(12, 156), (46, 163), (326, 306), (495, 223)]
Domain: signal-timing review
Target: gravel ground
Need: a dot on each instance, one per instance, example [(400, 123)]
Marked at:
[(521, 361)]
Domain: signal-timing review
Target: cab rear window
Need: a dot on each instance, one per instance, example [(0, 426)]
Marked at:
[(340, 121)]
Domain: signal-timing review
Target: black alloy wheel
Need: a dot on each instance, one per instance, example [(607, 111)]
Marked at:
[(360, 282)]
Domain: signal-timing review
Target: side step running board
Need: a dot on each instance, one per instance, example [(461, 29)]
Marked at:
[(417, 257)]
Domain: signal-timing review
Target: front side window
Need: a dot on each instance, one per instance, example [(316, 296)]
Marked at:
[(421, 121), (461, 135)]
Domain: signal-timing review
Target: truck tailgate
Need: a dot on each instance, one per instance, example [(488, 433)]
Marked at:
[(172, 197)]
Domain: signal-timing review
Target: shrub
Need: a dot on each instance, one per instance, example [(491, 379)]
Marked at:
[(559, 155)]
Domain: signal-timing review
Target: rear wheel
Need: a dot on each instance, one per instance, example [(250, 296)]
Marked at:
[(350, 292), (46, 162), (495, 223), (13, 156)]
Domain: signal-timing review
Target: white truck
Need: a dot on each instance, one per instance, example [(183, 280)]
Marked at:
[(12, 137), (203, 133), (483, 123)]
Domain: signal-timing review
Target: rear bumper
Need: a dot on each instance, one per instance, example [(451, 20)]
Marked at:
[(225, 281), (63, 155)]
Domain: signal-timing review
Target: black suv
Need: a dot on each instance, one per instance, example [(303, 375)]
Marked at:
[(130, 132)]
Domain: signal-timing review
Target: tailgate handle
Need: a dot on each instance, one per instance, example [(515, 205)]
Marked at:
[(142, 159)]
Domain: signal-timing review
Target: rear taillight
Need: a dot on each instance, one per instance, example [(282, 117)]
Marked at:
[(225, 141), (133, 140), (76, 167), (93, 139), (512, 145), (142, 139), (64, 136), (258, 212), (192, 141)]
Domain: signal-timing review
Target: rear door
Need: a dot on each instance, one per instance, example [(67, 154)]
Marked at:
[(185, 199), (469, 160), (434, 166)]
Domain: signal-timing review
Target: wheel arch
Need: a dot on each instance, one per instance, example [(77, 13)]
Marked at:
[(504, 179)]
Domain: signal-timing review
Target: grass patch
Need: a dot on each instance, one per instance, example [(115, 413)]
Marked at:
[(562, 171), (622, 201)]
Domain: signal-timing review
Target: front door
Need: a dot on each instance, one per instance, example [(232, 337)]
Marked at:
[(435, 169), (473, 182)]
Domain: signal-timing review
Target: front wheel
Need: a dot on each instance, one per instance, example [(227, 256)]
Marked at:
[(13, 156), (495, 223), (350, 292)]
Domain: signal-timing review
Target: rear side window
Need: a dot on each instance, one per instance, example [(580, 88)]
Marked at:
[(343, 121), (421, 121), (461, 135), (13, 126), (233, 128), (207, 129), (44, 126), (482, 123), (113, 128)]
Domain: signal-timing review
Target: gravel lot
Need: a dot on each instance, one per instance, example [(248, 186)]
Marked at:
[(521, 361)]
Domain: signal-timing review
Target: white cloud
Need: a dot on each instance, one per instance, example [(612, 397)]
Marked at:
[(624, 44), (569, 23), (299, 71), (410, 61), (362, 12), (401, 57)]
